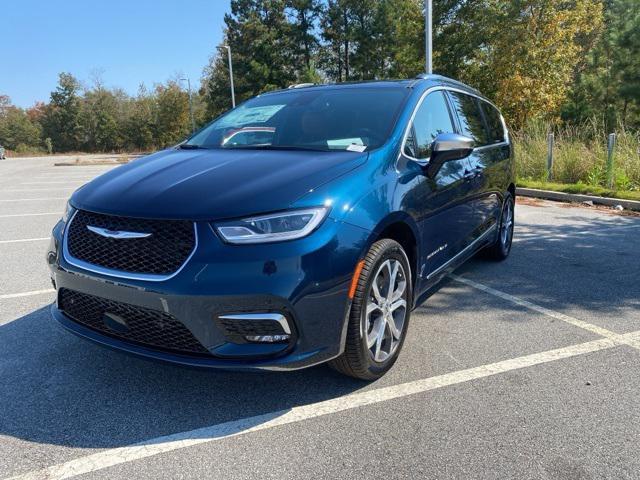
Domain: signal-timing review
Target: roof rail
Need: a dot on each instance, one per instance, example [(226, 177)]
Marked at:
[(433, 76), (302, 85), (450, 81)]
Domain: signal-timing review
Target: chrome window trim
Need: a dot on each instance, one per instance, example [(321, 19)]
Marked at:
[(424, 95), (119, 273)]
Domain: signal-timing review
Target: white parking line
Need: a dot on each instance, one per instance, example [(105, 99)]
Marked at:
[(168, 443), (34, 199), (36, 189), (30, 214), (25, 240), (26, 294), (603, 332), (69, 181)]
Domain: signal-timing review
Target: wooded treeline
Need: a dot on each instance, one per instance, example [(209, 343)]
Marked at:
[(563, 61)]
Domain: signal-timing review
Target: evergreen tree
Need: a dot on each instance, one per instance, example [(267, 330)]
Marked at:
[(303, 17), (61, 121), (263, 53), (608, 85)]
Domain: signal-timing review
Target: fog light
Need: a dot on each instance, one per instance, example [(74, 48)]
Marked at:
[(268, 338)]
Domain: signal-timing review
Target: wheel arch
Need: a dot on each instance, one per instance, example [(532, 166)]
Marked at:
[(402, 228)]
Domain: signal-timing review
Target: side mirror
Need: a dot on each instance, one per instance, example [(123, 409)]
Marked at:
[(447, 147)]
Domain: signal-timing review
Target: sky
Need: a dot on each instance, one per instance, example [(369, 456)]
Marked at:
[(126, 42)]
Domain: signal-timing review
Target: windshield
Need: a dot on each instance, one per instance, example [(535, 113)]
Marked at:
[(354, 119)]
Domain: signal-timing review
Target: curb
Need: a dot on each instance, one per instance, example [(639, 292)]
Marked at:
[(577, 198)]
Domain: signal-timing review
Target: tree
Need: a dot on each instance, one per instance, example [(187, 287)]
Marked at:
[(608, 85), (99, 120), (336, 34), (303, 17), (530, 53), (61, 121), (140, 125), (263, 53), (172, 114), (17, 131)]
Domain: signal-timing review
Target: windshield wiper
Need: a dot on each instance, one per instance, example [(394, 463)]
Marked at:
[(188, 146)]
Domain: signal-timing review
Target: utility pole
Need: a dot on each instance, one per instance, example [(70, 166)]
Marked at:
[(233, 93), (193, 120), (428, 28)]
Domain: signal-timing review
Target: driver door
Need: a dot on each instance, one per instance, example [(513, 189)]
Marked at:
[(442, 203)]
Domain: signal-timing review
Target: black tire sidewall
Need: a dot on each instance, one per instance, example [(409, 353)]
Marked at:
[(392, 251), (506, 249)]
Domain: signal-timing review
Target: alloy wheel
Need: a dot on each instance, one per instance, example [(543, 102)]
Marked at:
[(386, 310), (506, 227)]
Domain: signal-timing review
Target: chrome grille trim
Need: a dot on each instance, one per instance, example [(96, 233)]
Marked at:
[(119, 273)]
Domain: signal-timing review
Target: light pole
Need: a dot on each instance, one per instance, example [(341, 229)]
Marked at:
[(428, 28), (193, 121), (233, 93)]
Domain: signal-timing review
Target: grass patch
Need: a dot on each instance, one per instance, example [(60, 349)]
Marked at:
[(580, 155), (580, 188)]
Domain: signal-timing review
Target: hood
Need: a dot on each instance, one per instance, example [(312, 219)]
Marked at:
[(212, 184)]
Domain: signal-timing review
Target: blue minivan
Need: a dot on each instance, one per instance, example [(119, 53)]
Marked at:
[(299, 228)]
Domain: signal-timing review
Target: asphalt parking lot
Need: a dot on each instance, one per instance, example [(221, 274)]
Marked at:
[(524, 369)]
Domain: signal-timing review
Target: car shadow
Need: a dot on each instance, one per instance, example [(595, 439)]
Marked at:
[(592, 266), (58, 389)]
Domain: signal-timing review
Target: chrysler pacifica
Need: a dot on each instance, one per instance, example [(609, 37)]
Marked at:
[(301, 227)]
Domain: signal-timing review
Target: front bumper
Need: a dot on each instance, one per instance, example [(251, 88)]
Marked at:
[(307, 280)]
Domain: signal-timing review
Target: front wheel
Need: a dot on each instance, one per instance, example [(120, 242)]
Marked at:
[(379, 314)]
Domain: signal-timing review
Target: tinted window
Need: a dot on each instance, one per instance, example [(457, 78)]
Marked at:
[(494, 123), (355, 119), (432, 118), (471, 120)]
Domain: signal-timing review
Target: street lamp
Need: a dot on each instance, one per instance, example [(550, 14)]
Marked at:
[(428, 28), (233, 93), (193, 121)]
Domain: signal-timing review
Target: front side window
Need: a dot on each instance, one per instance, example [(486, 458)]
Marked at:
[(471, 121), (355, 119), (494, 123), (432, 119)]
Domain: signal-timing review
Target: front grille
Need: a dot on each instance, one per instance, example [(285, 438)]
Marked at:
[(135, 324), (162, 253)]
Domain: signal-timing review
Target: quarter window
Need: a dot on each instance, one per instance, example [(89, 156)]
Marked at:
[(471, 121), (432, 119)]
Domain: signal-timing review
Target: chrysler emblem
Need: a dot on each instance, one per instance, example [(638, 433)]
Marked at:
[(118, 234)]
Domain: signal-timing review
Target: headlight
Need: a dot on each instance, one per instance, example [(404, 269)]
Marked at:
[(68, 210), (276, 227)]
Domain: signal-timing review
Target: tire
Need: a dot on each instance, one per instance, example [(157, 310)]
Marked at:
[(500, 250), (387, 315)]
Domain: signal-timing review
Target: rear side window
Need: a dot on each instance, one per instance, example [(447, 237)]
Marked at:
[(494, 123), (432, 119), (471, 122)]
